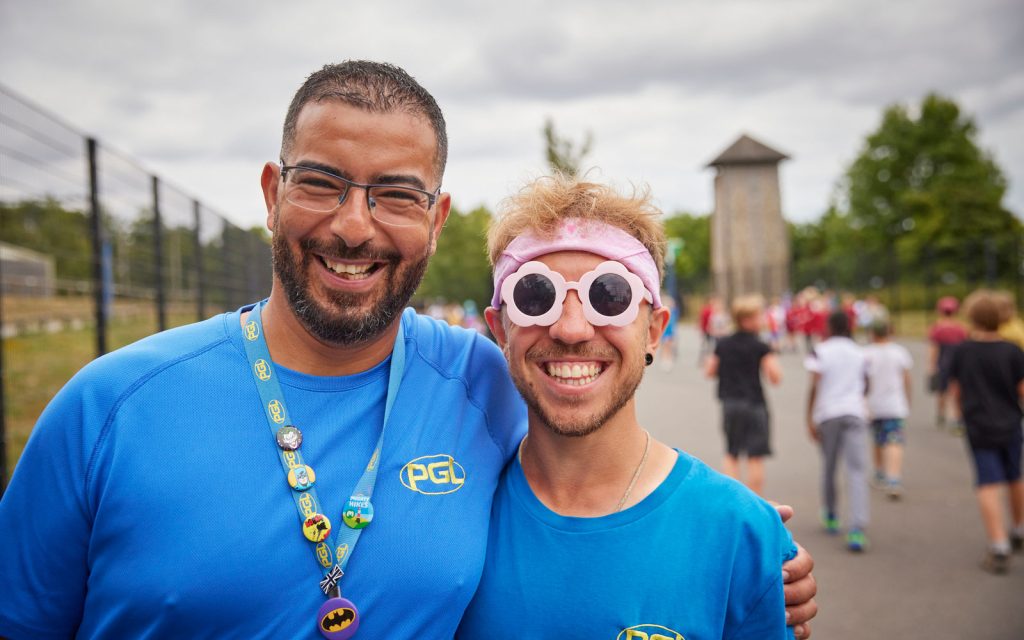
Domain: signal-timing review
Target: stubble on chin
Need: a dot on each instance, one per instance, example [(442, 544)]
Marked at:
[(572, 422)]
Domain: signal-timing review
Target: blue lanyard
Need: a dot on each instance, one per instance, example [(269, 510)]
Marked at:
[(332, 552)]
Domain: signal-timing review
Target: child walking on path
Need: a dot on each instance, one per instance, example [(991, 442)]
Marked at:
[(987, 378), (943, 336), (889, 384), (836, 420), (738, 362)]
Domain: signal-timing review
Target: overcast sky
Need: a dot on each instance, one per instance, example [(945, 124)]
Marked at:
[(197, 89)]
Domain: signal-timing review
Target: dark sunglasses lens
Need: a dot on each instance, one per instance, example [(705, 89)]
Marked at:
[(610, 294), (534, 294)]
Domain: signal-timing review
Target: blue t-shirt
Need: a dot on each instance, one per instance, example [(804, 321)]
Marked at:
[(700, 558), (150, 501)]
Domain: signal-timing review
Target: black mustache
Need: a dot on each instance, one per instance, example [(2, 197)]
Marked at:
[(341, 251)]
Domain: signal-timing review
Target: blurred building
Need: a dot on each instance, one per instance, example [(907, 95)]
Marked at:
[(749, 240), (25, 272)]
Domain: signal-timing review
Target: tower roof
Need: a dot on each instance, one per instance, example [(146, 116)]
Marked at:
[(746, 150)]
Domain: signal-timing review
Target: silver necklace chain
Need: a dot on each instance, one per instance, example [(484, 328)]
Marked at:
[(636, 473)]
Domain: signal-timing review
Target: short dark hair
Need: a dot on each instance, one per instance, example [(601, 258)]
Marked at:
[(838, 324), (374, 86), (881, 328)]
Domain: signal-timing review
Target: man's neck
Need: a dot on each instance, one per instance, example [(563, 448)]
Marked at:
[(985, 336), (292, 346), (588, 476)]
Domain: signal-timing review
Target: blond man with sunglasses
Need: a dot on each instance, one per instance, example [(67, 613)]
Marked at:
[(598, 530)]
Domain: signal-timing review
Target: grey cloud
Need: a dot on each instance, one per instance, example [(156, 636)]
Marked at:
[(860, 54)]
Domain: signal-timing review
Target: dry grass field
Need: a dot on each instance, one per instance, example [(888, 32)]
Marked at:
[(39, 362)]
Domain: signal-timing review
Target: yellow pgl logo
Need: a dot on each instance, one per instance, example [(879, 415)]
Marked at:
[(262, 369), (251, 330), (307, 506), (276, 411), (291, 459), (342, 551), (649, 632), (433, 475), (323, 554)]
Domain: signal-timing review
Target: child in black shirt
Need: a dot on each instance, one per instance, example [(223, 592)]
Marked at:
[(738, 362), (987, 378)]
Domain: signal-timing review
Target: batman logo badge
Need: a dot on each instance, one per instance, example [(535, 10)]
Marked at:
[(338, 619)]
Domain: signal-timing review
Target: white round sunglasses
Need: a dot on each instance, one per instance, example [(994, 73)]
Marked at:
[(610, 294)]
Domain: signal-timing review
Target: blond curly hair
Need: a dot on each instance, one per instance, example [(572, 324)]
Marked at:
[(540, 206)]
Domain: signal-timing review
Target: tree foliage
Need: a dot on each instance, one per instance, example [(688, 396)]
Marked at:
[(922, 182), (47, 227), (235, 262), (564, 155), (693, 262), (459, 269)]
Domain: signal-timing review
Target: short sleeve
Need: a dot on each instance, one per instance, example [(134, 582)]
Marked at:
[(812, 363), (906, 359), (1018, 365)]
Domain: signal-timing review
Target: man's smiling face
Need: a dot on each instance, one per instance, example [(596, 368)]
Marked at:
[(575, 376), (347, 276)]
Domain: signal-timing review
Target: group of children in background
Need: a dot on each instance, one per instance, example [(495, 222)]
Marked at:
[(857, 393)]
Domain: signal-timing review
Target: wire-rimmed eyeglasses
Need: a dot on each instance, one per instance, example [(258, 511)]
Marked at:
[(323, 192)]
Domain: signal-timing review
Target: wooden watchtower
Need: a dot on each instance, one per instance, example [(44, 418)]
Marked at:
[(749, 239)]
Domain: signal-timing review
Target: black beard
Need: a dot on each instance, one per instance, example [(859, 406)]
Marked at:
[(582, 425), (338, 325)]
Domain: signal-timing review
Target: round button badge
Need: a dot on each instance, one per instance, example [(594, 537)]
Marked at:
[(301, 477), (289, 438), (316, 527), (358, 512), (338, 619)]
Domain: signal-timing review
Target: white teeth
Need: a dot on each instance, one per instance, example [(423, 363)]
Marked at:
[(358, 270), (576, 374)]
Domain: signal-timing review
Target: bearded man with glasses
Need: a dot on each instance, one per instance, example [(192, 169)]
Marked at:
[(151, 501), (598, 530)]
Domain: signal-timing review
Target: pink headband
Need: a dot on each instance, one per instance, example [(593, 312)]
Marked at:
[(574, 234)]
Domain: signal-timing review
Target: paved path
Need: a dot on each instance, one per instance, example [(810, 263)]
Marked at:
[(920, 578)]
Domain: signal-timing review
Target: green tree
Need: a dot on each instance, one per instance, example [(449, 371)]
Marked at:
[(922, 183), (459, 269), (47, 227), (564, 155), (829, 251), (693, 262)]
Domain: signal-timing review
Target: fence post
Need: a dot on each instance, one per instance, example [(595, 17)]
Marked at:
[(158, 258), (200, 276), (96, 229), (3, 384)]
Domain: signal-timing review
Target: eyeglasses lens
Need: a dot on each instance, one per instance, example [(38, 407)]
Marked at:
[(610, 294), (534, 294), (396, 205)]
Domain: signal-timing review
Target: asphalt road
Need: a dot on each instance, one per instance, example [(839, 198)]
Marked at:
[(920, 577)]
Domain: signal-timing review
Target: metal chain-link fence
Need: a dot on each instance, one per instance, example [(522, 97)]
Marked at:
[(97, 252)]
